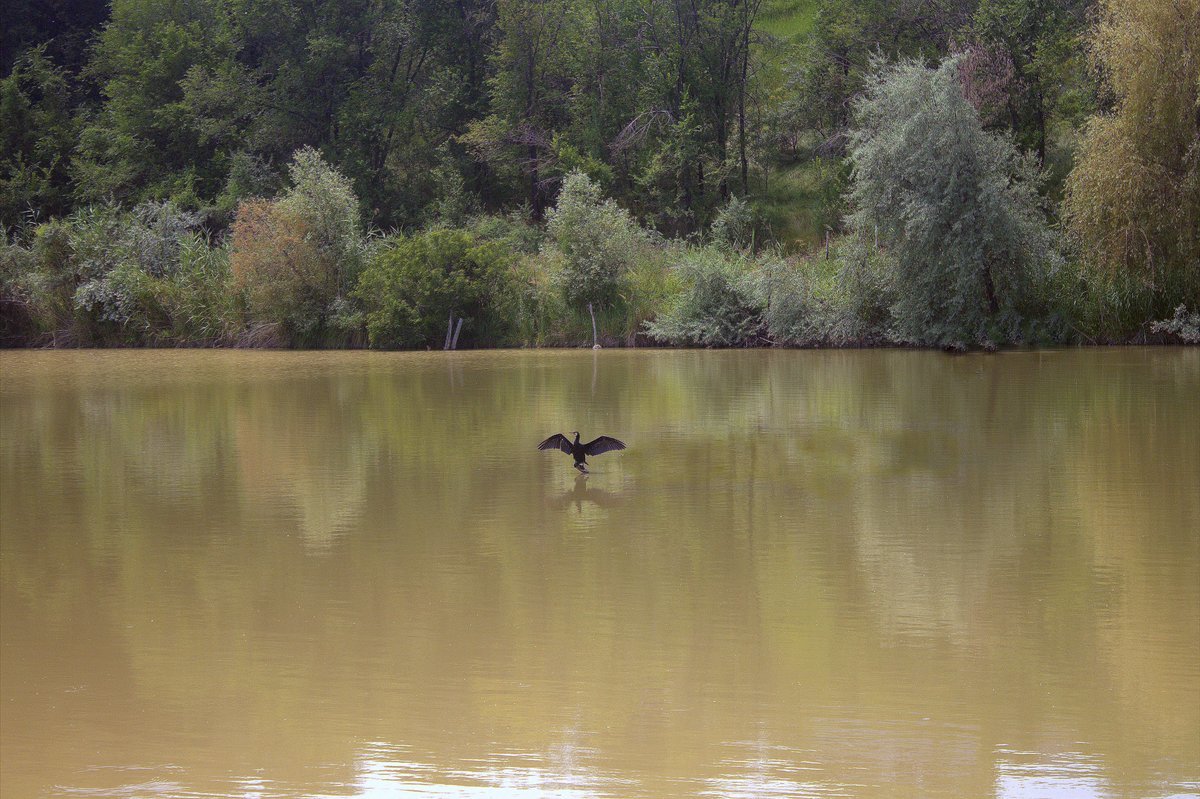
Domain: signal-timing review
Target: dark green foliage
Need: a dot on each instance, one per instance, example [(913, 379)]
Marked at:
[(144, 143), (190, 88), (514, 231), (61, 29), (413, 284), (37, 133), (1103, 307), (1042, 76), (834, 62), (17, 309), (529, 93), (248, 176)]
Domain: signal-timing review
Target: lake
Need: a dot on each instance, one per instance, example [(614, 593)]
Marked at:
[(812, 574)]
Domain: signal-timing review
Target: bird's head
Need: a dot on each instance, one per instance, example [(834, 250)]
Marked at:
[(575, 433)]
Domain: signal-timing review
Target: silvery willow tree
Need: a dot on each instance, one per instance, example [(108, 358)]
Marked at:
[(956, 208)]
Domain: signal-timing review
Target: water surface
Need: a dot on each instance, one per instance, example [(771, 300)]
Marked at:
[(812, 574)]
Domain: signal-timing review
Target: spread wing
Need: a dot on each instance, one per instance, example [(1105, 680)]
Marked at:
[(603, 444), (557, 441)]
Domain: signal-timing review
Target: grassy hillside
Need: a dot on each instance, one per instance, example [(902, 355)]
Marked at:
[(796, 201), (787, 19), (800, 201)]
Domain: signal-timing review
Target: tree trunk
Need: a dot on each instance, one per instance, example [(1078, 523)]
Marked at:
[(989, 288), (1039, 113), (742, 102), (534, 195)]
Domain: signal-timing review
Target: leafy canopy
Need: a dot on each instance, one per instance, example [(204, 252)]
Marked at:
[(598, 239), (956, 206), (414, 283), (1133, 203)]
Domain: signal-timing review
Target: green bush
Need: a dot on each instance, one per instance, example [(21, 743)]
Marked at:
[(839, 302), (716, 304), (131, 302), (1098, 307), (650, 286), (18, 324), (198, 297), (52, 279), (248, 176), (106, 276), (100, 276), (734, 225), (1183, 325), (413, 284), (542, 316), (453, 202)]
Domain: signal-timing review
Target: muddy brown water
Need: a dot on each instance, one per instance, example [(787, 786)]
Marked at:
[(812, 574)]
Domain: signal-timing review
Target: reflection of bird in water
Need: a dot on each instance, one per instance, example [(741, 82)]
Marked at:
[(579, 452), (581, 494)]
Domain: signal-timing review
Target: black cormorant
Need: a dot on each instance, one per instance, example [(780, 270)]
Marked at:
[(578, 451)]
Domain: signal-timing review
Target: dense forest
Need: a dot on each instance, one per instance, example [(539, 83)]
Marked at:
[(347, 173)]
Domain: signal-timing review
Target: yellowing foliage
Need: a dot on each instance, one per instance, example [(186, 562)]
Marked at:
[(1133, 200), (276, 264)]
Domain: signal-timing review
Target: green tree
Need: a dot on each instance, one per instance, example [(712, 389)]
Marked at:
[(195, 90), (1040, 40), (356, 80), (957, 207), (144, 143), (599, 241), (715, 307), (37, 133), (690, 131), (530, 91), (833, 62)]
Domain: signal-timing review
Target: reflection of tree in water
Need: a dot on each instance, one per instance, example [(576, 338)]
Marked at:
[(303, 452)]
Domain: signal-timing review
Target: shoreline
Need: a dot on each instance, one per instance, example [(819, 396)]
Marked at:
[(1158, 341)]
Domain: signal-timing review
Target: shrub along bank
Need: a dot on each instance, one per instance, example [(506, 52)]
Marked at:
[(294, 272), (947, 246)]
